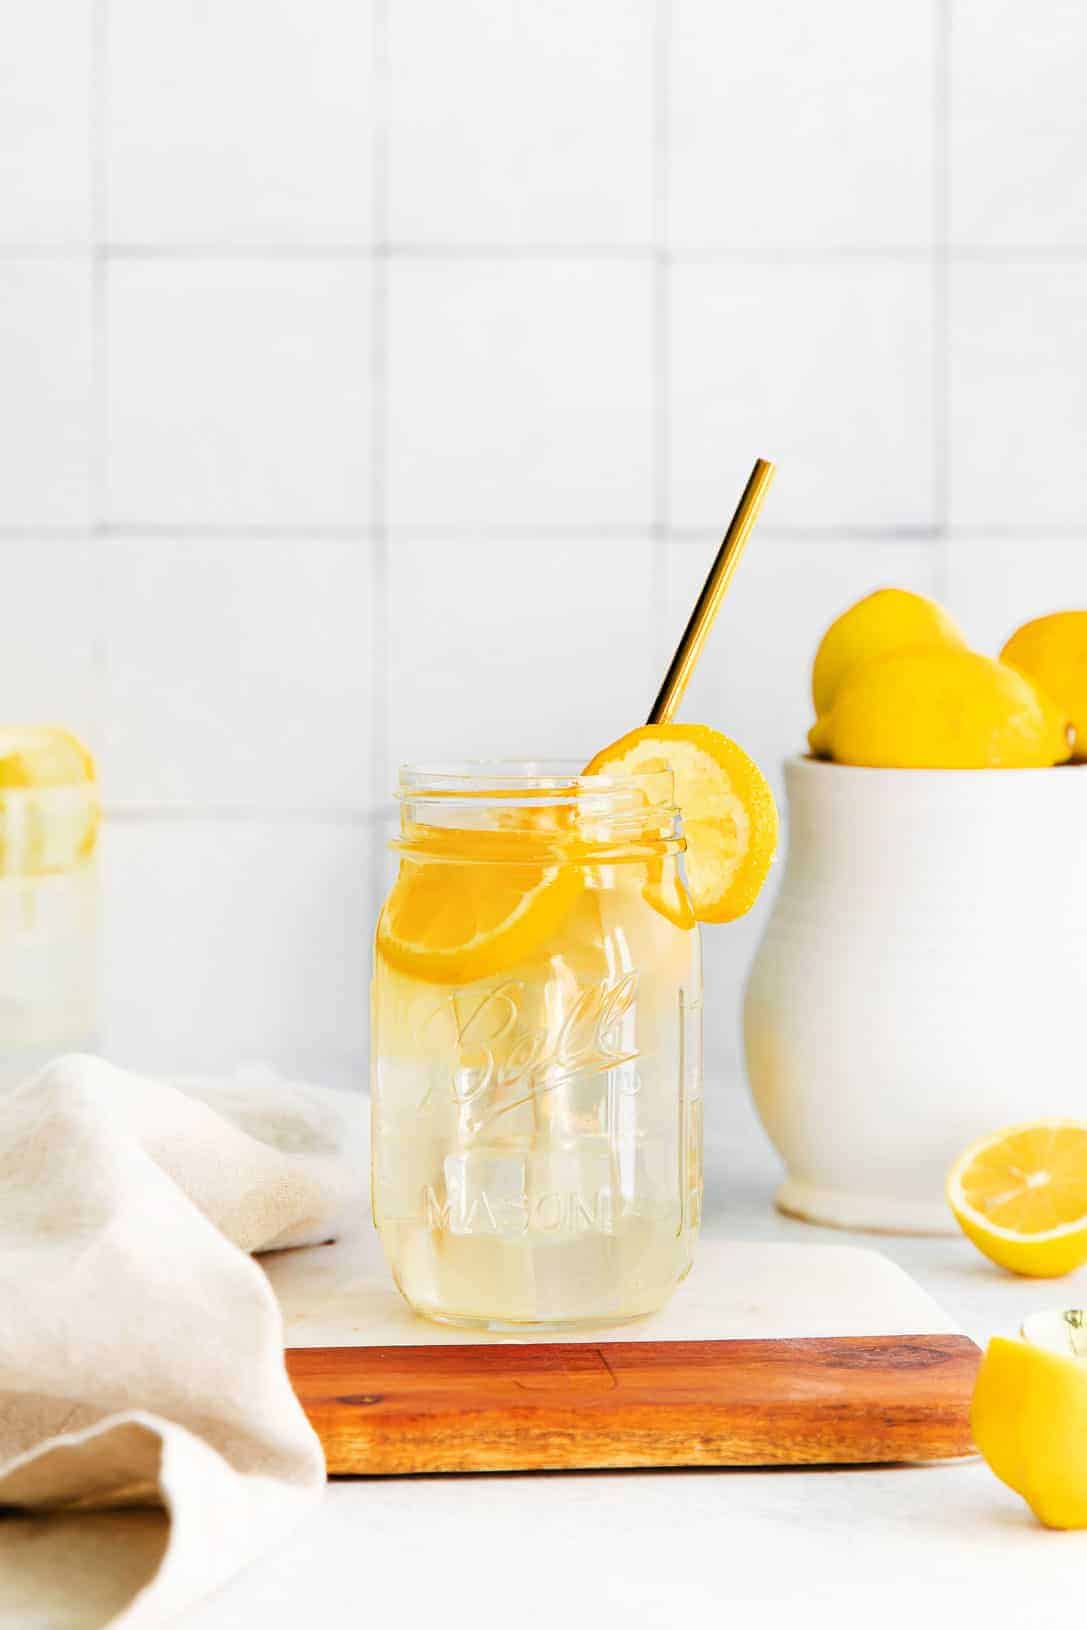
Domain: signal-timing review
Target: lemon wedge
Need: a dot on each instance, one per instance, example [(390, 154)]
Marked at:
[(1021, 1197), (1029, 1415), (452, 923), (730, 821)]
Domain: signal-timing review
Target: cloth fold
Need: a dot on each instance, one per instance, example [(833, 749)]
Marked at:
[(150, 1442)]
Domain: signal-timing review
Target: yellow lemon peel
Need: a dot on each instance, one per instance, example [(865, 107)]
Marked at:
[(730, 820), (1052, 651), (941, 708), (886, 621), (1020, 1196), (1029, 1416)]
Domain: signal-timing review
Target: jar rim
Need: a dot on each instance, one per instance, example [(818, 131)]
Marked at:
[(541, 779), (613, 816)]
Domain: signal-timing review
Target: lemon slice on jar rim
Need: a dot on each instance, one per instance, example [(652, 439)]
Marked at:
[(730, 820)]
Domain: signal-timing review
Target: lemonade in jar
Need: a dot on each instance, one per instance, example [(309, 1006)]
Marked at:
[(537, 1028)]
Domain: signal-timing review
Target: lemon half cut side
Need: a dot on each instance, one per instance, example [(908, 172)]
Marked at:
[(1021, 1196)]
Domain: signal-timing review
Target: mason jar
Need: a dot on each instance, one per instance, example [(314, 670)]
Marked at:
[(536, 1048)]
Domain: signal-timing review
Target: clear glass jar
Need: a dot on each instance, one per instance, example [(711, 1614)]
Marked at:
[(536, 1048), (49, 928)]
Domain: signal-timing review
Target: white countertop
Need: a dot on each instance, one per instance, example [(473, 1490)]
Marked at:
[(562, 1551)]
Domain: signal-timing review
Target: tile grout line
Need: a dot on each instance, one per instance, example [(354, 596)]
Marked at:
[(660, 337), (788, 254), (518, 531), (379, 446), (941, 279), (99, 209), (149, 813), (98, 425)]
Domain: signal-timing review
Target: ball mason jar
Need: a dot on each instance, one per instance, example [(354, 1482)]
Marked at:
[(536, 1048)]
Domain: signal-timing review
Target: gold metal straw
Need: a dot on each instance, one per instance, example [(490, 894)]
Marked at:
[(708, 603)]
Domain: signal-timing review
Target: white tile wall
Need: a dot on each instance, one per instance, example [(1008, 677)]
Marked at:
[(242, 122), (52, 650), (238, 393), (376, 377), (45, 122), (521, 124), (826, 366), (45, 391), (537, 649), (520, 393), (1018, 395), (239, 672), (805, 126), (230, 941), (1017, 173)]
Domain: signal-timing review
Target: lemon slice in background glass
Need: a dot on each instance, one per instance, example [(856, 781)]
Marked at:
[(49, 808)]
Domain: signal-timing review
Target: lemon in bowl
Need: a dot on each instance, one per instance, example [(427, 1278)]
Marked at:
[(884, 622), (1052, 651), (938, 707)]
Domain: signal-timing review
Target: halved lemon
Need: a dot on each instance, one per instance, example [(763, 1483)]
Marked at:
[(729, 818), (452, 922), (1021, 1197)]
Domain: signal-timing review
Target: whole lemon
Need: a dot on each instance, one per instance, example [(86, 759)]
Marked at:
[(1053, 652), (940, 707), (888, 620)]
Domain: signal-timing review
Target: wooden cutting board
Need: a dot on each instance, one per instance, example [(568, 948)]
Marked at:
[(769, 1355), (389, 1410)]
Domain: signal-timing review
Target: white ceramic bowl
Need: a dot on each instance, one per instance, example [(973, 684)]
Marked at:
[(922, 980)]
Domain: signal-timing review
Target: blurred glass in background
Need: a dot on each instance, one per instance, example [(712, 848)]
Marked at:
[(49, 899)]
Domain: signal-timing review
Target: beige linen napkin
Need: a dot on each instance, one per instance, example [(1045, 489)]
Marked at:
[(150, 1443)]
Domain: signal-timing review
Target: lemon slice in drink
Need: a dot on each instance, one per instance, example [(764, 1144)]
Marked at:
[(1021, 1197), (453, 922), (729, 817)]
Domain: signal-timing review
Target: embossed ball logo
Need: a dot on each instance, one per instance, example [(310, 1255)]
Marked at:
[(502, 1057)]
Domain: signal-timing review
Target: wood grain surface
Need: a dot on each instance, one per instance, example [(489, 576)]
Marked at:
[(383, 1411)]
